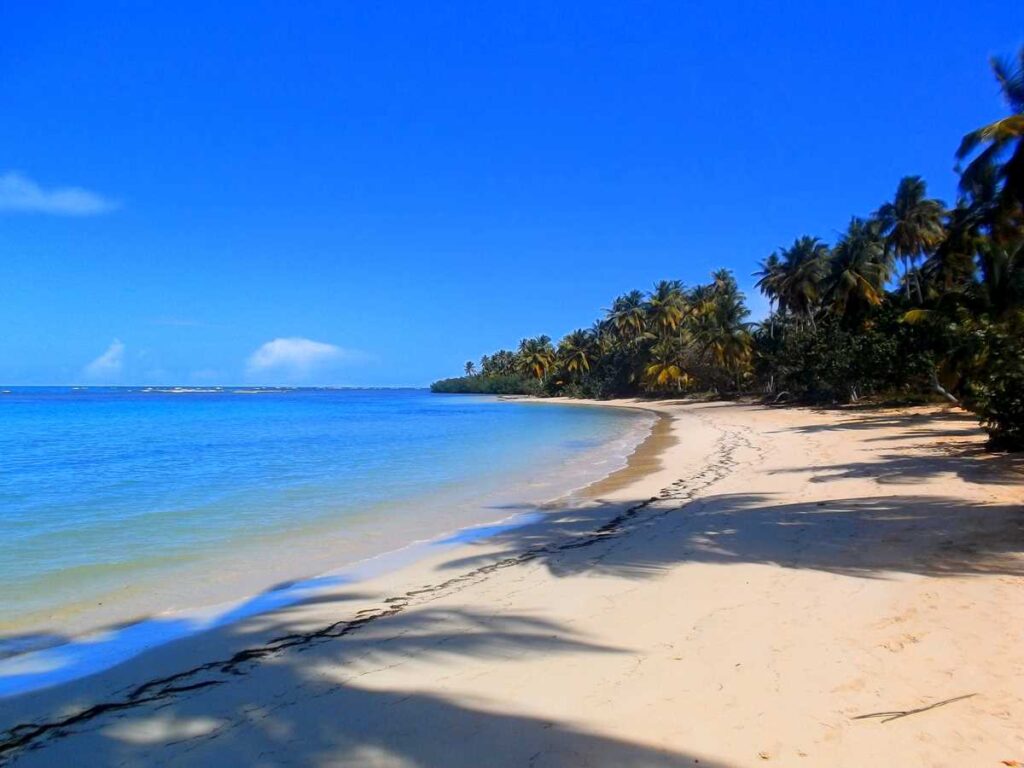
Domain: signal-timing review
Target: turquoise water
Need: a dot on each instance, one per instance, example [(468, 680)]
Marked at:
[(117, 503)]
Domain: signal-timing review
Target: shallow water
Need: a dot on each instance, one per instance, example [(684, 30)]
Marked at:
[(129, 502)]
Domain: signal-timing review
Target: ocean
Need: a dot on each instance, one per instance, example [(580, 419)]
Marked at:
[(118, 504)]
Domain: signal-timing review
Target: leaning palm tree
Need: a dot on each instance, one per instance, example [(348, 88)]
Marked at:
[(1003, 155), (912, 224), (858, 270), (575, 352), (665, 306), (536, 356)]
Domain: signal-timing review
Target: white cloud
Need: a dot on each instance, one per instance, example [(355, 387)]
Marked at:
[(109, 364), (20, 194), (293, 357)]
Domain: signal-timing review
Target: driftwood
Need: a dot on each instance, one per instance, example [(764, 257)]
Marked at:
[(896, 715)]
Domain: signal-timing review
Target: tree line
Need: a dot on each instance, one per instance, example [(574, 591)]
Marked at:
[(916, 299)]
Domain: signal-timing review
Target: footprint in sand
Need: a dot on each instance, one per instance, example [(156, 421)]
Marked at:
[(857, 684), (899, 618), (901, 642)]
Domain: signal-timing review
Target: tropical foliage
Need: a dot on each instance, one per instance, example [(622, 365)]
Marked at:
[(668, 341), (917, 299)]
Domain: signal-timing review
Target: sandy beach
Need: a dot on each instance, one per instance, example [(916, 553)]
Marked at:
[(759, 586)]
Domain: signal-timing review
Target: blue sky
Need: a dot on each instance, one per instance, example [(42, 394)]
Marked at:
[(348, 194)]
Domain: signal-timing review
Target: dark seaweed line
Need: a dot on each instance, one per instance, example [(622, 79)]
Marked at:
[(35, 735)]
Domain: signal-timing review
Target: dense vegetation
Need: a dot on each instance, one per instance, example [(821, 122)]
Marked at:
[(916, 298)]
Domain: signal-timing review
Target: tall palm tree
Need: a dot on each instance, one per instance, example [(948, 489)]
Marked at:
[(912, 224), (665, 306), (601, 336), (575, 352), (536, 356), (470, 368), (858, 270), (951, 265), (719, 329), (701, 300), (628, 316), (770, 277), (802, 270), (1003, 155)]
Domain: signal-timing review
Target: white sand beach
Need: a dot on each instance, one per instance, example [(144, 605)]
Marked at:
[(761, 586)]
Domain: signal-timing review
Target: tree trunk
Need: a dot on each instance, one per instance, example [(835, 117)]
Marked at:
[(941, 390), (917, 284)]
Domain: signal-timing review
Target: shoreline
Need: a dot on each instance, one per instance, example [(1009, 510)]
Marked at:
[(619, 631), (644, 459), (122, 640)]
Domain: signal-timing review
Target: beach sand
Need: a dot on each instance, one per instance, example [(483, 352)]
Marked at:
[(754, 583)]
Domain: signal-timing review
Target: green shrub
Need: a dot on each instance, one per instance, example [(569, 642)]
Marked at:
[(997, 393), (513, 384)]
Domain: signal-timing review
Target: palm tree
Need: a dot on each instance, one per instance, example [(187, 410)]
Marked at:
[(501, 363), (575, 352), (1002, 280), (665, 306), (719, 329), (1003, 157), (858, 270), (912, 224), (802, 270), (536, 356), (951, 266), (628, 316), (701, 300), (601, 336), (470, 368), (770, 279), (664, 369)]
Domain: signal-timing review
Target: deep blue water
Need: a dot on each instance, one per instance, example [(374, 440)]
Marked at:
[(130, 494)]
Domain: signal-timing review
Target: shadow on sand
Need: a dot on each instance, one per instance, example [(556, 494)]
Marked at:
[(870, 537), (301, 698), (308, 707)]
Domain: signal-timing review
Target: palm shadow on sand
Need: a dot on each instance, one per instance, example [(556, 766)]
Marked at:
[(310, 709), (870, 537)]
